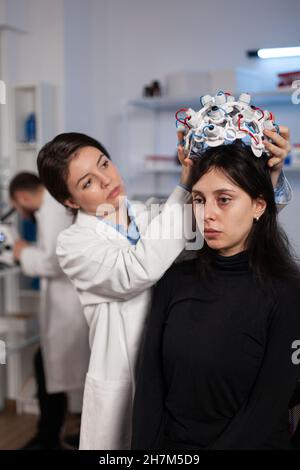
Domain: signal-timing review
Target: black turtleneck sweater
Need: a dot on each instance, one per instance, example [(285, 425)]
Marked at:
[(215, 369)]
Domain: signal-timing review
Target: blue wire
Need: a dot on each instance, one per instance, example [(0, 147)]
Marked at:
[(226, 114), (177, 121), (251, 128), (205, 127)]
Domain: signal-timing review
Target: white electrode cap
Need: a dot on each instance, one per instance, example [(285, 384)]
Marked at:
[(220, 99), (230, 99), (249, 113), (245, 98), (206, 99)]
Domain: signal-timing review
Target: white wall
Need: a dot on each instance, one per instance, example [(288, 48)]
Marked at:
[(78, 66), (14, 14), (37, 55)]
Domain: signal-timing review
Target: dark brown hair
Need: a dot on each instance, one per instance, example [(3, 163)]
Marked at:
[(24, 181), (54, 159)]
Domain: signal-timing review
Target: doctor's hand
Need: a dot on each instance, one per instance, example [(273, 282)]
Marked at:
[(18, 248), (187, 163), (279, 149)]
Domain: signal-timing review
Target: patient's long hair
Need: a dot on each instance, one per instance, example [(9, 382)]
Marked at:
[(270, 253)]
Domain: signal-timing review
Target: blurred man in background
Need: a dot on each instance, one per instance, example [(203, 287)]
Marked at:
[(61, 362)]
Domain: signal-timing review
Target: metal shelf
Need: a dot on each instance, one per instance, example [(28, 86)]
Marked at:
[(5, 270), (31, 146), (171, 104), (176, 170), (291, 169)]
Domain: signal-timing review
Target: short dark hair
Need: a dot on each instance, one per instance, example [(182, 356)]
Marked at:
[(54, 158), (24, 181)]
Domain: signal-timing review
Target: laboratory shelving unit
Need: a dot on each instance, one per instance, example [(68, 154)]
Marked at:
[(18, 315), (24, 100)]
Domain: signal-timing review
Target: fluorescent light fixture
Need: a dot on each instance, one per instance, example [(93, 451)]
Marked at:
[(278, 52), (275, 52)]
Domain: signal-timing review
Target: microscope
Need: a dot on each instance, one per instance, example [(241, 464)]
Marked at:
[(8, 236)]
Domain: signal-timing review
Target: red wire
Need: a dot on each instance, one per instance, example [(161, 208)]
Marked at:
[(244, 130), (176, 115), (262, 112), (186, 119)]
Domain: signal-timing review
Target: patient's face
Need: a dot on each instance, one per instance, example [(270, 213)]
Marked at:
[(94, 183), (228, 212)]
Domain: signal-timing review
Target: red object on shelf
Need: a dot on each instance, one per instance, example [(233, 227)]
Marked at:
[(161, 162), (165, 158), (287, 78)]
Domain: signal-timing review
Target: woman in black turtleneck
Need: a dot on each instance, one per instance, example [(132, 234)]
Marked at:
[(218, 364)]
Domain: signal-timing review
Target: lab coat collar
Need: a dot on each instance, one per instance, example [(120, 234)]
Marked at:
[(87, 220), (132, 233)]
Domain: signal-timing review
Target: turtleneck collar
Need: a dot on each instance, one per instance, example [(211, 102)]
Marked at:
[(236, 263)]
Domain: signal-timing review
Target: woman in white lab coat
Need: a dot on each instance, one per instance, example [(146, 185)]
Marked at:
[(113, 253)]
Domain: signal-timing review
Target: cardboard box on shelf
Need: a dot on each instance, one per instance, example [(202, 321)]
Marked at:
[(187, 84)]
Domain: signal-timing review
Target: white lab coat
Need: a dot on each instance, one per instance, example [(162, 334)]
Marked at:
[(113, 279), (63, 328)]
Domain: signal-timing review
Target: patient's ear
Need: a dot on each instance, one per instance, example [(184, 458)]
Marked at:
[(259, 206)]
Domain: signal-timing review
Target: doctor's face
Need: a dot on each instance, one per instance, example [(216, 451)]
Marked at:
[(228, 212), (94, 183)]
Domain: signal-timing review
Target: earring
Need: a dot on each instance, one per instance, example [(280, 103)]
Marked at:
[(256, 219)]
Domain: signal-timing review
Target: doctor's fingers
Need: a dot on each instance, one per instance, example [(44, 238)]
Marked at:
[(182, 156), (281, 140)]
